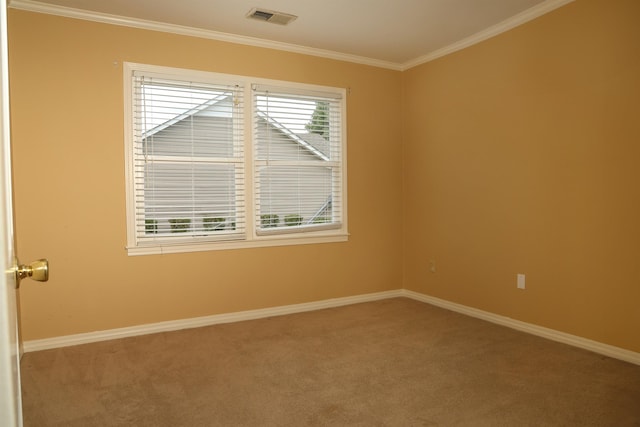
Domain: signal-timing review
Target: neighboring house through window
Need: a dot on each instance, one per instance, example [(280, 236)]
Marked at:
[(201, 177)]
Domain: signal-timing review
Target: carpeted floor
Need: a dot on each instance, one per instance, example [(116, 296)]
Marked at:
[(395, 362)]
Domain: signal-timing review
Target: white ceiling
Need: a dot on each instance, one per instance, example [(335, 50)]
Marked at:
[(396, 33)]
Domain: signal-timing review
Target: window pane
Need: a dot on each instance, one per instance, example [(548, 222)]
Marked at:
[(292, 196), (188, 172), (278, 144), (194, 136), (312, 125), (181, 198)]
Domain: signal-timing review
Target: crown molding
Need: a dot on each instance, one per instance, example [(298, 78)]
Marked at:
[(105, 18), (504, 26), (68, 12)]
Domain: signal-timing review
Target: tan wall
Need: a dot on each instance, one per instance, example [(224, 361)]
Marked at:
[(522, 155), (67, 117)]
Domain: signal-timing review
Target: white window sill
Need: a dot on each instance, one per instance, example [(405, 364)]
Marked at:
[(168, 248)]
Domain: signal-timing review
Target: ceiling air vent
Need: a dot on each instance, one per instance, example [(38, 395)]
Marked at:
[(271, 16)]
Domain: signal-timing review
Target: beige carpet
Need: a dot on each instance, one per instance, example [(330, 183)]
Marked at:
[(395, 362)]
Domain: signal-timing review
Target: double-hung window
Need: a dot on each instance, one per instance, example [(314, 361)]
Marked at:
[(297, 158), (200, 176)]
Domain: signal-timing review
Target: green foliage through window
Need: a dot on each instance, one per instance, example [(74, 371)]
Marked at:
[(180, 225), (292, 219), (269, 220), (319, 123)]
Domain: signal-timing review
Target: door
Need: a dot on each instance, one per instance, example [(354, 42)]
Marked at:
[(10, 400)]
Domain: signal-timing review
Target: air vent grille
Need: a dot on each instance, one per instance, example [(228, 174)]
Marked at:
[(271, 16)]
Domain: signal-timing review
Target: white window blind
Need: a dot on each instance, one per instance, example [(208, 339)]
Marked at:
[(201, 178), (188, 162), (297, 142)]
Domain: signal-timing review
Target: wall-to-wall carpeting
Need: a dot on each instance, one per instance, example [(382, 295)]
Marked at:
[(395, 362)]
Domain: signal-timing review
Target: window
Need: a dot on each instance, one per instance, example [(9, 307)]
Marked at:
[(297, 169), (201, 177)]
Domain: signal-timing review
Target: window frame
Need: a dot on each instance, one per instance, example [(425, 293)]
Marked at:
[(252, 237)]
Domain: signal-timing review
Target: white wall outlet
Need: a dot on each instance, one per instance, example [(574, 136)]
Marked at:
[(520, 281), (432, 266)]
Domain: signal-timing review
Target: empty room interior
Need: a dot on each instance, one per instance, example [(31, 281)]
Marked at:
[(495, 180)]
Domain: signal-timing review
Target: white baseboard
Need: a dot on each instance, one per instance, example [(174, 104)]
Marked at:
[(573, 340), (174, 325)]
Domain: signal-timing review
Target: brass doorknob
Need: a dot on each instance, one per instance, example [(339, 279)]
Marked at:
[(37, 270)]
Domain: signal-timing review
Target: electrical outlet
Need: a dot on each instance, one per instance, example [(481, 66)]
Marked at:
[(520, 281), (432, 266)]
